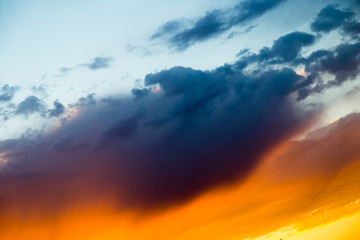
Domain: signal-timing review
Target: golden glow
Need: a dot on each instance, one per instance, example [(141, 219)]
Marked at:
[(344, 229), (156, 89), (3, 159), (266, 206), (301, 72), (334, 121)]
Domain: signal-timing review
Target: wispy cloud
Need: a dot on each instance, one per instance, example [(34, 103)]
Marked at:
[(95, 64), (98, 63), (181, 34)]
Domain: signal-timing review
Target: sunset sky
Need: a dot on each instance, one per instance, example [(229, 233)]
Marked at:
[(216, 120)]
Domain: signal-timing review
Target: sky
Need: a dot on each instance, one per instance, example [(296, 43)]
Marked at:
[(233, 119)]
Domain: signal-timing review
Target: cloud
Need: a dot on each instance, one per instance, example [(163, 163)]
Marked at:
[(138, 93), (40, 90), (343, 63), (64, 71), (199, 130), (95, 64), (29, 106), (7, 111), (313, 178), (352, 28), (33, 105), (99, 63), (355, 3), (214, 23), (353, 92), (331, 18), (7, 93), (284, 50), (340, 63), (289, 46), (84, 101), (121, 130), (195, 87), (170, 27), (58, 109), (325, 151)]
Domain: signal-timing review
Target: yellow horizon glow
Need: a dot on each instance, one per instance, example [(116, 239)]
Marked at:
[(273, 208)]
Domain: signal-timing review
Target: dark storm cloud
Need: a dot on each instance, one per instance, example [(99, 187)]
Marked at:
[(30, 105), (193, 131), (7, 93), (213, 23), (121, 129), (195, 87)]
